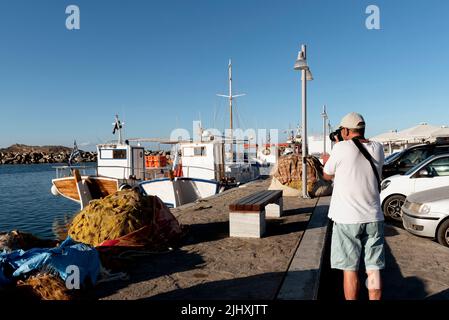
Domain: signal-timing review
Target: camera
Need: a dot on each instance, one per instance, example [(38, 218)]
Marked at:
[(336, 136)]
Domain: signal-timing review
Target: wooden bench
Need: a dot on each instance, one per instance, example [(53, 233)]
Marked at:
[(247, 215)]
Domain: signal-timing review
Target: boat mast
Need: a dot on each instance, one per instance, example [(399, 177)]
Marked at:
[(230, 97)]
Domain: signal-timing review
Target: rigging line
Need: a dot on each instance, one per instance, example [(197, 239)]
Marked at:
[(215, 116), (218, 113), (234, 110), (240, 119), (236, 106), (224, 119)]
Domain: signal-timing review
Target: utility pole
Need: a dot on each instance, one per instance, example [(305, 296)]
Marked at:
[(324, 115)]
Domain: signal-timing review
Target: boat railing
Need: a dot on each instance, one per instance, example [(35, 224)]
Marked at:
[(66, 171), (124, 172), (147, 173), (138, 174)]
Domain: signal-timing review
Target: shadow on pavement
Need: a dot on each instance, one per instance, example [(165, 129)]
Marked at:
[(443, 295), (206, 232), (395, 285), (151, 267), (259, 287), (293, 212)]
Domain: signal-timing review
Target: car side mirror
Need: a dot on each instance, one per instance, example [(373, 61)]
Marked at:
[(424, 173)]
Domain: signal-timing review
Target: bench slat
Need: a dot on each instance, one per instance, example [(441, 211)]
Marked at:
[(254, 198), (272, 197), (247, 202), (250, 199), (256, 201)]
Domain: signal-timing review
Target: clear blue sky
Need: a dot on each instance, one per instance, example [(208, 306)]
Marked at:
[(160, 63)]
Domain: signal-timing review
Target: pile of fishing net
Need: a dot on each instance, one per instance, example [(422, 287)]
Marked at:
[(44, 286), (127, 219), (49, 273), (41, 286), (287, 176), (13, 240), (123, 222)]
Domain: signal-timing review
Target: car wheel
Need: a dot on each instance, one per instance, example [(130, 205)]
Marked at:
[(443, 233), (392, 207)]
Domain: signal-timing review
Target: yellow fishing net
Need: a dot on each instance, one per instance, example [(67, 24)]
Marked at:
[(112, 217)]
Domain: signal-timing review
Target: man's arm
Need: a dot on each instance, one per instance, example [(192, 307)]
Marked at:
[(331, 164), (328, 177)]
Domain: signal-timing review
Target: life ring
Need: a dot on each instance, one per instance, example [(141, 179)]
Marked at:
[(266, 151)]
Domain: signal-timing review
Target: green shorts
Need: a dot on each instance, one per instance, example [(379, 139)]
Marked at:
[(352, 241)]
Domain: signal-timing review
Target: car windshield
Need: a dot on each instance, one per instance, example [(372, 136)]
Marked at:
[(392, 157)]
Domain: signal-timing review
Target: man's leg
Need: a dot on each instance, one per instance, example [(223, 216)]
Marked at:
[(345, 255), (374, 258), (351, 284), (374, 284)]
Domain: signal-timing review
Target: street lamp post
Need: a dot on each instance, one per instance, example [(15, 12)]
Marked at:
[(329, 127), (306, 75), (324, 115)]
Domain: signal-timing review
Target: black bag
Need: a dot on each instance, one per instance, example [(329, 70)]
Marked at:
[(369, 158)]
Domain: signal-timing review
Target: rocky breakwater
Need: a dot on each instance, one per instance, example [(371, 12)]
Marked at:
[(23, 154)]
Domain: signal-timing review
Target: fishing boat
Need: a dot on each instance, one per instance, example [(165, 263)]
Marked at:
[(199, 169), (120, 165)]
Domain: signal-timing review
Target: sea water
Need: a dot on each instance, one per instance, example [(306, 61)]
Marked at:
[(26, 203)]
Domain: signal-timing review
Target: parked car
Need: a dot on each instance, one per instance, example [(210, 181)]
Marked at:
[(429, 174), (408, 158), (426, 214), (392, 156)]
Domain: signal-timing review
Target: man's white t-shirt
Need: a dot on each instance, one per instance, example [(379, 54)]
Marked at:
[(355, 198)]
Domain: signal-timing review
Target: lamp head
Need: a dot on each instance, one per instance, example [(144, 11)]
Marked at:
[(309, 76), (301, 63)]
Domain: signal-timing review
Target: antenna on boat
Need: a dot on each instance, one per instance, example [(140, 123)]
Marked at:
[(118, 127)]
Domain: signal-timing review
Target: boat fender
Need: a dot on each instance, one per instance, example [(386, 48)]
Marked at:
[(54, 190)]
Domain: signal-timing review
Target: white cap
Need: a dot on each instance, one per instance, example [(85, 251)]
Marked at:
[(353, 121)]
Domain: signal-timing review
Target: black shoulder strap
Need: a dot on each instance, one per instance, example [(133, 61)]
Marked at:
[(369, 158)]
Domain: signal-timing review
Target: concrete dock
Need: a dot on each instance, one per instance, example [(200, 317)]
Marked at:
[(289, 263)]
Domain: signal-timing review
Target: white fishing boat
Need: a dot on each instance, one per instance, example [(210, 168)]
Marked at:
[(119, 165), (200, 169)]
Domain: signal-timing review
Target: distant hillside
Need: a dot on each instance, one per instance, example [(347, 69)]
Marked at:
[(22, 148)]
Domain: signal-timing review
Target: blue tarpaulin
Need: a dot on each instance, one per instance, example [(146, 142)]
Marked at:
[(56, 260)]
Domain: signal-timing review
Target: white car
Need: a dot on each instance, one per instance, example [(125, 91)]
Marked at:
[(426, 214), (429, 174)]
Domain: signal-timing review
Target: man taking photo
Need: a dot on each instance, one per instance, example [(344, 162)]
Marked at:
[(355, 165)]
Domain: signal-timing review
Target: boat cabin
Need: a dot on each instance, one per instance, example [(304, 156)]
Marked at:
[(121, 161)]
